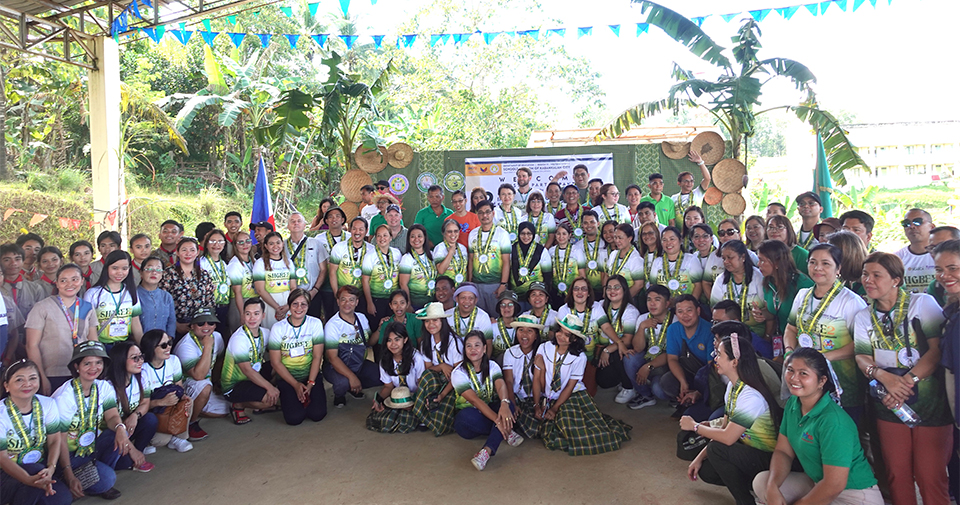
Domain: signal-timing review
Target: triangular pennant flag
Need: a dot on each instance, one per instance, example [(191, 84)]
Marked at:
[(445, 38), (64, 222), (264, 39), (557, 31), (147, 3), (287, 11), (256, 14), (698, 20), (183, 26), (206, 25), (38, 218), (7, 213), (788, 12), (345, 6), (155, 34), (208, 37), (824, 6), (584, 30), (320, 39), (873, 3), (378, 41), (460, 38), (813, 8), (313, 8), (728, 17), (842, 4), (642, 28), (292, 39), (857, 4), (182, 35), (434, 39), (349, 40), (232, 19), (615, 29), (408, 40), (511, 34), (534, 34), (759, 14), (489, 36), (237, 38)]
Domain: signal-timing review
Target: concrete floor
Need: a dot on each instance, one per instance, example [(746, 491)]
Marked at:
[(339, 461)]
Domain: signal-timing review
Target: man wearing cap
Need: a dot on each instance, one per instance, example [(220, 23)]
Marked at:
[(689, 346), (260, 230), (398, 232), (383, 186), (666, 212), (468, 220), (383, 201), (809, 207), (170, 233), (537, 299), (198, 351), (433, 215), (468, 317), (306, 255), (369, 207), (489, 258), (690, 194), (918, 264)]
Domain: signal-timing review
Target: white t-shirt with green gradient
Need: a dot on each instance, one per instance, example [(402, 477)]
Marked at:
[(295, 344)]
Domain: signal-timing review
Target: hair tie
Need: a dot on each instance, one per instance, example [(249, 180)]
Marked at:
[(6, 373), (735, 343)]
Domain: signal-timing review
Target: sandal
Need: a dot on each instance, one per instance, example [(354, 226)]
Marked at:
[(239, 417)]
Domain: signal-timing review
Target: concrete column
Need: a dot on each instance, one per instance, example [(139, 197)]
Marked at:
[(104, 89)]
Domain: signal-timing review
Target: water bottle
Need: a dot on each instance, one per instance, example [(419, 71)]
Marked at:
[(903, 412)]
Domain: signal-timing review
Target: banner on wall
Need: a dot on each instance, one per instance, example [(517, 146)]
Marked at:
[(490, 173)]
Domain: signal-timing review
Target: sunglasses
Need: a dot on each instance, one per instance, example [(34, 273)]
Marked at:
[(136, 357), (165, 345), (206, 323), (153, 270), (726, 233), (917, 221)]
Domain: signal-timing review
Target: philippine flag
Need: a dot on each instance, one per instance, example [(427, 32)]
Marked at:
[(262, 205)]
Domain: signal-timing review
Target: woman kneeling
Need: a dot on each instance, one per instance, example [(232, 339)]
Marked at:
[(400, 368)]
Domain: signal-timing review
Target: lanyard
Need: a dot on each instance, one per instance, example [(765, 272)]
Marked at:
[(39, 435), (681, 208), (742, 302), (820, 310), (255, 356), (484, 249), (87, 417), (566, 212), (648, 265), (473, 319), (661, 339), (298, 261), (525, 260), (666, 266), (332, 241), (429, 269), (619, 262), (510, 219), (586, 319), (163, 373), (616, 320), (596, 250), (105, 323), (483, 388), (358, 254), (899, 315), (73, 323), (806, 243), (563, 262), (458, 262), (541, 237), (543, 318), (734, 394), (213, 355), (502, 342), (387, 264), (606, 214)]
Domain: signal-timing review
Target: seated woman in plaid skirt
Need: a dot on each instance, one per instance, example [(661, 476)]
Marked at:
[(442, 350), (571, 420), (518, 372), (400, 368)]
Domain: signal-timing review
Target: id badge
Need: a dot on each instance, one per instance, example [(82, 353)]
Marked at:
[(296, 352), (119, 328), (258, 366), (885, 358)]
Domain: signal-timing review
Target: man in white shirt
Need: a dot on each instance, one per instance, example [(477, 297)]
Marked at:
[(918, 264), (369, 208), (308, 257), (809, 207), (691, 194)]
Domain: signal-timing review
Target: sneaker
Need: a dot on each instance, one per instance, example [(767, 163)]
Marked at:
[(480, 459), (642, 401), (339, 402), (148, 450), (196, 433), (144, 468), (625, 395), (514, 439), (179, 444), (110, 494), (359, 395)]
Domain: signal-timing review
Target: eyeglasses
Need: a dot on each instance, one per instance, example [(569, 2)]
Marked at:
[(165, 345), (583, 289), (458, 201), (726, 233), (777, 227), (216, 242), (136, 357), (153, 270), (807, 203), (886, 324), (505, 304), (701, 236), (243, 242), (917, 221), (614, 287)]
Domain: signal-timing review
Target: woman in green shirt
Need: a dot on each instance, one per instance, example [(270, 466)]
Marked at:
[(817, 432), (399, 303), (781, 282), (780, 228)]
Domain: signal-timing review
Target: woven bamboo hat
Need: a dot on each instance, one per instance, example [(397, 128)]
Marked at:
[(352, 181), (371, 161), (675, 150), (728, 175), (712, 196), (399, 155), (710, 146), (351, 209), (734, 204)]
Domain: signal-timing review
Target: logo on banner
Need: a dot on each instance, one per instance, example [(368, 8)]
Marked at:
[(453, 181), (475, 169), (398, 184), (425, 181)]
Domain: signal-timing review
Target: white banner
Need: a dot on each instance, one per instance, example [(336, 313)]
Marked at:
[(490, 173)]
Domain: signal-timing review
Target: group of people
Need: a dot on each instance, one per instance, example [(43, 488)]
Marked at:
[(501, 322)]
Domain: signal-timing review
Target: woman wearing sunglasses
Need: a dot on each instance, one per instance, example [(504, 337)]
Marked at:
[(198, 351), (240, 270), (126, 362), (162, 369)]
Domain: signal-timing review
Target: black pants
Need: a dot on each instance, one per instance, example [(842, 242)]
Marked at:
[(734, 466), (223, 313), (295, 412), (613, 373), (380, 310), (329, 301)]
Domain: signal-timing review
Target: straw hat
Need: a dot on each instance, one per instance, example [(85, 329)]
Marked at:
[(728, 175), (675, 150), (389, 196), (369, 160), (351, 182), (526, 321), (399, 155), (573, 324), (734, 204), (400, 398), (433, 310), (710, 146), (712, 196)]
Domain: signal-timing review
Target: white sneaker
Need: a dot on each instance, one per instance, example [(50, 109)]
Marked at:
[(641, 402), (179, 444), (514, 439), (148, 450), (625, 395), (480, 459)]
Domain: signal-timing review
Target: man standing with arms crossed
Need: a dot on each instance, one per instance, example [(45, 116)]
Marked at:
[(488, 258)]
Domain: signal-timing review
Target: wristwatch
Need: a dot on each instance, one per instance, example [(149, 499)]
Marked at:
[(914, 376), (650, 367)]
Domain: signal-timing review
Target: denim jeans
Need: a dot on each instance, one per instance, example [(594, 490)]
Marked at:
[(471, 423)]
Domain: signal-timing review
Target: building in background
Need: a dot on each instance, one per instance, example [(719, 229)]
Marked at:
[(907, 154)]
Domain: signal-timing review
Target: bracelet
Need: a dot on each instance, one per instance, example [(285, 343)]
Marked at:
[(650, 367), (117, 427), (503, 283), (505, 401), (696, 428), (139, 415), (870, 371), (701, 163), (311, 383)]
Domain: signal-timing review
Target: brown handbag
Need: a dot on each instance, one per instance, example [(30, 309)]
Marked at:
[(174, 419)]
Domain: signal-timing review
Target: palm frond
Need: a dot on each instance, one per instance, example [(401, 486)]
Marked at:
[(841, 153), (797, 72), (686, 32)]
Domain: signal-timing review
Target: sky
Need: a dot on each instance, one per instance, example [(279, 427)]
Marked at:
[(887, 63)]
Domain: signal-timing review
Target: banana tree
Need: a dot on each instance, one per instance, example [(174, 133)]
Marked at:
[(733, 96)]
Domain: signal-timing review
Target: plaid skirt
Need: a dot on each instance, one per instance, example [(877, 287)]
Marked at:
[(580, 429), (527, 419), (440, 419), (392, 421)]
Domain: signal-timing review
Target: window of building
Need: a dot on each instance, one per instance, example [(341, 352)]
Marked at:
[(941, 148), (916, 149)]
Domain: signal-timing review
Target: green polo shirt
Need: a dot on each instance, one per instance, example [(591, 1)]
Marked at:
[(826, 436), (800, 257), (433, 223), (937, 291), (375, 223), (665, 209), (414, 329), (782, 311)]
